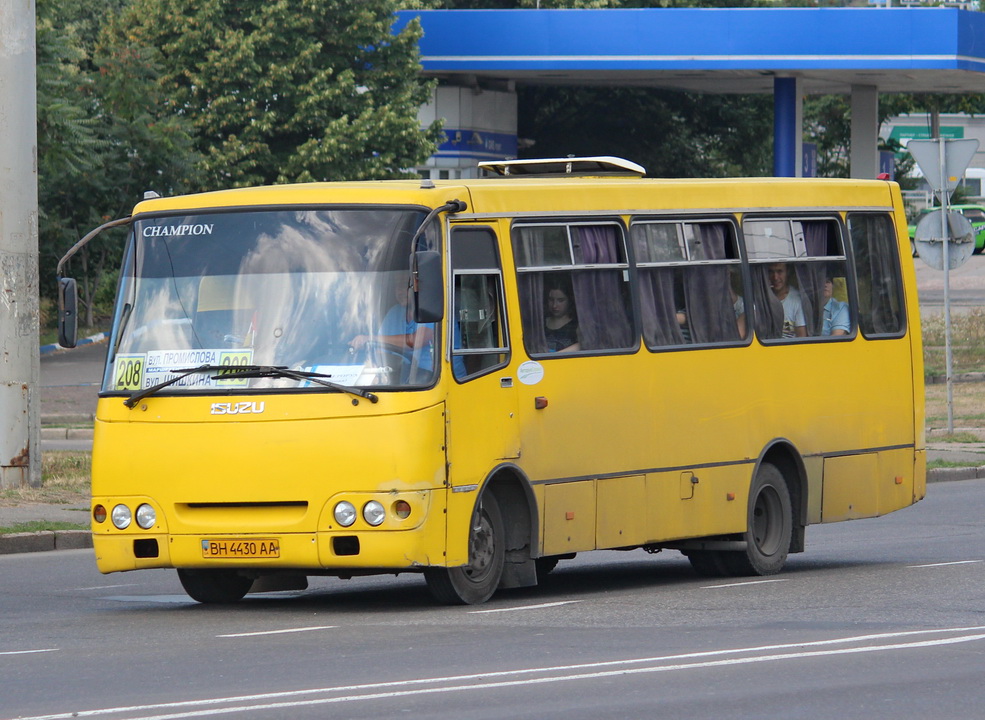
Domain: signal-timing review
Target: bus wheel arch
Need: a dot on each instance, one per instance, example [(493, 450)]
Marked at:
[(518, 506), (784, 456)]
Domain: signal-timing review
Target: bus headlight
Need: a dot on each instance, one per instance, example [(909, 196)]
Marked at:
[(373, 513), (345, 513), (121, 517), (146, 516)]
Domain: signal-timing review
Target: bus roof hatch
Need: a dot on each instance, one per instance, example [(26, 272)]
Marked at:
[(581, 166)]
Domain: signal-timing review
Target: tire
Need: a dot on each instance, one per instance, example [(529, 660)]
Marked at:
[(708, 563), (214, 586), (769, 527), (476, 582)]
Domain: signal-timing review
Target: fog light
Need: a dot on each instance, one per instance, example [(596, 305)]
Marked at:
[(373, 513), (401, 509), (99, 513), (146, 516), (345, 513), (122, 517)]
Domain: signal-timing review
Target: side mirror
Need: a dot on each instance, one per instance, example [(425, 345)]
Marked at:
[(68, 315), (430, 295)]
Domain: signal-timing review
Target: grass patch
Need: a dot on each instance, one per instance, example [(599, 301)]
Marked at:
[(957, 437), (940, 464), (42, 526), (967, 342), (65, 478)]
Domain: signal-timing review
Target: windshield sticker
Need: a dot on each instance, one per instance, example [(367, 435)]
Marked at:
[(178, 230), (161, 366), (530, 372), (128, 370), (341, 374)]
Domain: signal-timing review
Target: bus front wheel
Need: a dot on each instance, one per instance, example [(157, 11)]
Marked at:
[(214, 586), (476, 582), (769, 529)]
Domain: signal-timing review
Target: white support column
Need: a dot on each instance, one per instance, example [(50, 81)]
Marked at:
[(20, 364), (864, 160)]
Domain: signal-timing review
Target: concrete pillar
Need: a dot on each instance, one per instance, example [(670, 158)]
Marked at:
[(864, 158), (20, 364)]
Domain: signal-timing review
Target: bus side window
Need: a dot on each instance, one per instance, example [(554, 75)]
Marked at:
[(690, 283), (799, 271), (877, 274), (586, 264), (478, 330)]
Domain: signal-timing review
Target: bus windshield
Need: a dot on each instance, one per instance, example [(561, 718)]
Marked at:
[(321, 291)]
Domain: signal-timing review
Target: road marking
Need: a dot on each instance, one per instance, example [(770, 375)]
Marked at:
[(525, 607), (27, 652), (105, 587), (514, 678), (278, 632), (743, 584), (942, 564), (165, 599)]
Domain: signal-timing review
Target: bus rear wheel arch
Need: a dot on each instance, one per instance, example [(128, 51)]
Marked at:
[(767, 538), (769, 527)]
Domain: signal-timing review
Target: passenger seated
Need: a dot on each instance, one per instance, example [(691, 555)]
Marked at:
[(794, 322), (835, 319), (560, 322)]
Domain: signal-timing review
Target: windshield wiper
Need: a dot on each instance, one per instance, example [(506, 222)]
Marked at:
[(250, 371), (257, 371)]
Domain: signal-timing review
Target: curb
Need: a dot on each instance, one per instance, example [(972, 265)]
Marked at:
[(53, 347), (44, 541), (959, 473)]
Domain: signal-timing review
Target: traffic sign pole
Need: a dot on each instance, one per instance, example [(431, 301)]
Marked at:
[(943, 163)]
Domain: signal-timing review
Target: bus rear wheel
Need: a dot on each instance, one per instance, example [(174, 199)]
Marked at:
[(476, 582), (214, 586), (769, 527)]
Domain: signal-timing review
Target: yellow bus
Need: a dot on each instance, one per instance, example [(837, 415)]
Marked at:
[(475, 379)]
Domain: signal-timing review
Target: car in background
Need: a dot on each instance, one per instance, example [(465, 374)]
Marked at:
[(975, 215)]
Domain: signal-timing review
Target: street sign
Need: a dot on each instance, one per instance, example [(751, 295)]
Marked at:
[(957, 156), (930, 244)]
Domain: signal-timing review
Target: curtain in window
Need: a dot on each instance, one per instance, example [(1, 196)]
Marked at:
[(810, 276), (599, 299), (658, 309), (707, 293), (768, 310)]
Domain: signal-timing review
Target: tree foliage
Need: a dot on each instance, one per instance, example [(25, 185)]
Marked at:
[(282, 90)]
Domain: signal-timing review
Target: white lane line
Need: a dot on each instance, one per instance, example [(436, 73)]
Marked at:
[(207, 707), (743, 584), (106, 587), (943, 564), (278, 632), (525, 607), (27, 652)]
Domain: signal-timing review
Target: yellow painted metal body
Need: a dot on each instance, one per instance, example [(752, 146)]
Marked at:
[(632, 449)]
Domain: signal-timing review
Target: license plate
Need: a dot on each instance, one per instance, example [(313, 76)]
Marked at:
[(241, 548)]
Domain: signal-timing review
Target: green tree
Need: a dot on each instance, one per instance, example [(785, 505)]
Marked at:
[(100, 142), (285, 91), (672, 134)]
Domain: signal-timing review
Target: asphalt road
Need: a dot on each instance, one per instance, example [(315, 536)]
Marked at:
[(881, 618)]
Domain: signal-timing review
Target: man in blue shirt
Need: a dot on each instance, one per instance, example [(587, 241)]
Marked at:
[(400, 330), (835, 319)]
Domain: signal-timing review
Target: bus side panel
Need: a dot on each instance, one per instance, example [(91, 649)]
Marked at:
[(699, 502), (867, 485)]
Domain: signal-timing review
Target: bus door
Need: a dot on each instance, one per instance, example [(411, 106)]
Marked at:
[(482, 426)]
